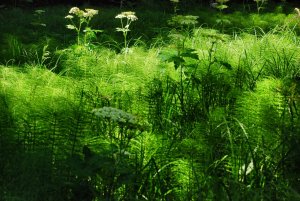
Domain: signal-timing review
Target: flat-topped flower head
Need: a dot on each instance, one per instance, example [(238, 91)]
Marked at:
[(128, 14), (39, 12), (297, 11), (74, 10), (90, 12)]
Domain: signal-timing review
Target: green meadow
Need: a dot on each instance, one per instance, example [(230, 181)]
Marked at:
[(155, 101)]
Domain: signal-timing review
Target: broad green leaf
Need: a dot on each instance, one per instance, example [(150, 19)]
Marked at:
[(177, 61), (167, 54), (222, 7), (190, 53), (225, 64)]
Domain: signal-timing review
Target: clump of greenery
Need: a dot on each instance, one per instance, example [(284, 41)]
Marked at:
[(118, 116), (209, 113)]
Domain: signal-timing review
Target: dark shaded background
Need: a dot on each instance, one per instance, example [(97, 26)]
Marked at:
[(112, 2)]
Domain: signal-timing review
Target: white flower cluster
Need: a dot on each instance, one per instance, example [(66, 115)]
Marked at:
[(39, 12), (88, 13), (70, 26), (86, 16), (69, 17), (128, 14), (74, 11), (297, 12)]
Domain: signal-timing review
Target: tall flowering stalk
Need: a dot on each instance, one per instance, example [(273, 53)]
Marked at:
[(175, 5), (260, 4), (83, 19), (38, 18), (130, 17)]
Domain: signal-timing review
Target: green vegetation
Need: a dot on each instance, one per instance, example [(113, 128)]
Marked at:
[(188, 104)]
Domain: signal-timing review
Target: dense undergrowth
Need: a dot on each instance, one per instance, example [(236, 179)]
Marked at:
[(209, 112)]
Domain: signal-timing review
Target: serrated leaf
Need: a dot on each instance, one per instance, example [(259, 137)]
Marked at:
[(195, 80), (97, 31), (191, 66), (166, 55), (222, 7), (225, 64), (190, 53), (177, 61)]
